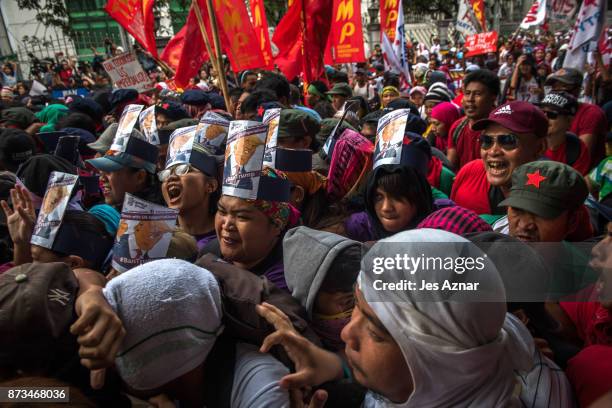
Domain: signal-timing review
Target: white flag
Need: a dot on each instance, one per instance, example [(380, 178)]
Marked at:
[(395, 54), (465, 20), (536, 14), (586, 32)]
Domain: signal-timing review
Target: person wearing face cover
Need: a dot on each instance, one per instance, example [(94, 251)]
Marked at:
[(429, 348)]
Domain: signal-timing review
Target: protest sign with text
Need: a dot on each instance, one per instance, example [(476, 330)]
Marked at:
[(126, 72)]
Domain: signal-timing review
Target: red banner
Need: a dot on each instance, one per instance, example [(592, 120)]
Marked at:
[(388, 18), (345, 43), (260, 25), (136, 17), (238, 38), (481, 43), (236, 35), (301, 37), (479, 12)]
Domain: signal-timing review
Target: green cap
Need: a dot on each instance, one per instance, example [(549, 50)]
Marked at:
[(328, 125), (297, 123), (18, 116), (341, 88), (546, 189)]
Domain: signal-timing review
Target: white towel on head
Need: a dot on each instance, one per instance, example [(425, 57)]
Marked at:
[(171, 311)]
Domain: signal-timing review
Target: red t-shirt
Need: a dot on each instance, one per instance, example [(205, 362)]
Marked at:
[(593, 322), (468, 144), (591, 119), (471, 188), (582, 163)]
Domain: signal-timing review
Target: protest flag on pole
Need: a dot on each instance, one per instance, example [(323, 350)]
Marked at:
[(136, 17), (535, 16), (586, 33)]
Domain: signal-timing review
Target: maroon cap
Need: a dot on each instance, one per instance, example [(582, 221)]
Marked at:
[(517, 116)]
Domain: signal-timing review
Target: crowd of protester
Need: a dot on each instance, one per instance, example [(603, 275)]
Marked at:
[(267, 301)]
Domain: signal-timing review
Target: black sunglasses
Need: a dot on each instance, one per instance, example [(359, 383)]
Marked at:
[(506, 142)]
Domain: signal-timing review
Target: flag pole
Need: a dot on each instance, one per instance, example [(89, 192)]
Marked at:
[(219, 56), (198, 13)]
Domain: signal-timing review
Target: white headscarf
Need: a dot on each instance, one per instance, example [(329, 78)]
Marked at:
[(171, 311), (458, 353)]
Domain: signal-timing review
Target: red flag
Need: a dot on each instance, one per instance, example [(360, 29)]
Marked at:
[(260, 25), (388, 19), (136, 17), (345, 43), (301, 41), (186, 61), (237, 35), (479, 12)]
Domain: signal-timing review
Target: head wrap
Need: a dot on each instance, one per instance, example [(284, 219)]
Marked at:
[(168, 305), (51, 115), (457, 220), (446, 113), (108, 215), (390, 89), (460, 352), (277, 211)]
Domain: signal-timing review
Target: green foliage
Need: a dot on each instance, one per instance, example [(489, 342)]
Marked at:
[(447, 8)]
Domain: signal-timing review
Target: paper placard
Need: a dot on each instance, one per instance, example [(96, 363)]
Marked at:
[(126, 72), (148, 125), (389, 137), (144, 233), (126, 125), (180, 145), (212, 131), (244, 158), (54, 204), (271, 118)]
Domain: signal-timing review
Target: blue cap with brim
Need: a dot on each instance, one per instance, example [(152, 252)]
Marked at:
[(138, 154)]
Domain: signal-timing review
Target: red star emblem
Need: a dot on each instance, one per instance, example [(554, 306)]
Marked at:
[(534, 179), (260, 111)]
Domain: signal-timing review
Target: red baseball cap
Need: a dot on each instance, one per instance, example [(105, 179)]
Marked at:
[(517, 116)]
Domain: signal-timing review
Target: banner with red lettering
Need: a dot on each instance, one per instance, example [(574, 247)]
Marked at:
[(536, 15), (260, 25), (126, 72), (136, 17), (479, 12), (388, 19), (561, 11), (345, 43), (481, 43)]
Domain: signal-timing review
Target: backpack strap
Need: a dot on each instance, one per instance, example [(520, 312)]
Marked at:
[(458, 130), (572, 148)]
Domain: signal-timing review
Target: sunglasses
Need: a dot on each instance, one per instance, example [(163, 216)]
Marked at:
[(179, 170), (507, 142), (551, 115)]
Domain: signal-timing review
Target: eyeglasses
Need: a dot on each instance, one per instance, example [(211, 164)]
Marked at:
[(179, 170), (507, 142), (551, 115)]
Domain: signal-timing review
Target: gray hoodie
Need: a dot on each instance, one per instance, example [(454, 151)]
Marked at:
[(308, 255)]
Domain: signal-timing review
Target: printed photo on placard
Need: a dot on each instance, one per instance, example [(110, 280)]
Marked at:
[(271, 118), (212, 131), (125, 127), (244, 158), (55, 201), (148, 125), (179, 147), (144, 233), (389, 137)]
